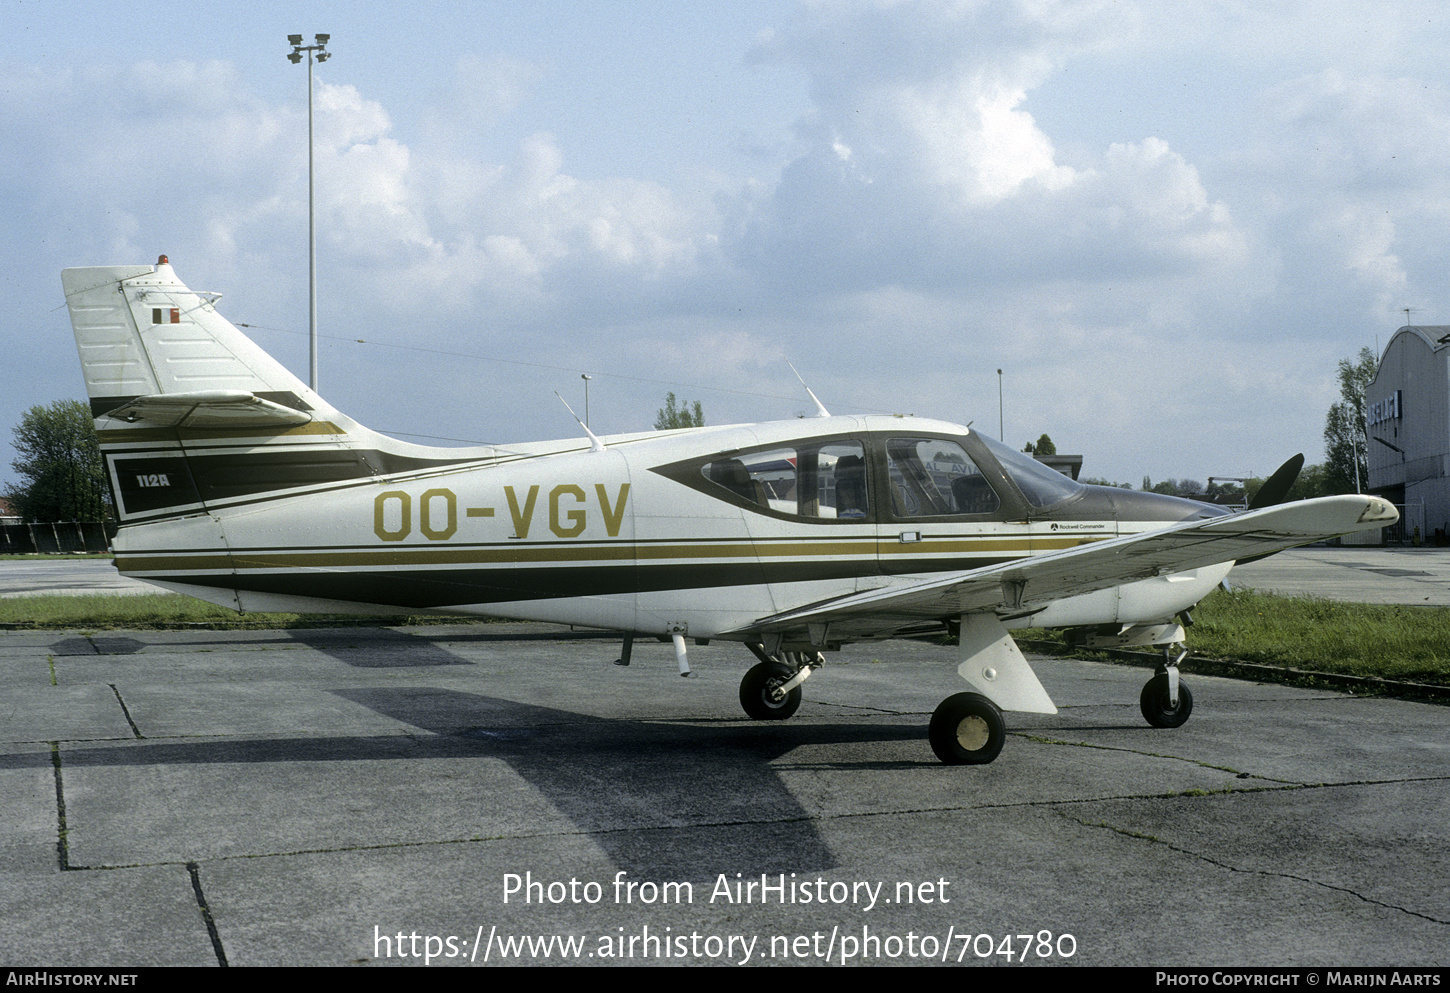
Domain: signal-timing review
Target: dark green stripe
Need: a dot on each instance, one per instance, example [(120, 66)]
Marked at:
[(100, 406), (452, 587)]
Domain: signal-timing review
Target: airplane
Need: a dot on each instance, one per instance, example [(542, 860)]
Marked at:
[(235, 483)]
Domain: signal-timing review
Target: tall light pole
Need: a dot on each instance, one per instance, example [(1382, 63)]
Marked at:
[(319, 53), (586, 377)]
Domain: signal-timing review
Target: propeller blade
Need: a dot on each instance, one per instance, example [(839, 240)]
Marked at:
[(1276, 487)]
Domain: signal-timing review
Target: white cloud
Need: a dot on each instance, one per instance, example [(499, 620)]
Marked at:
[(978, 140), (520, 233), (921, 166), (1347, 175), (1366, 237)]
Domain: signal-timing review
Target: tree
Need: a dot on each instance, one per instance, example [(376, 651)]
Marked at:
[(677, 415), (1043, 446), (1312, 482), (60, 464), (1345, 440)]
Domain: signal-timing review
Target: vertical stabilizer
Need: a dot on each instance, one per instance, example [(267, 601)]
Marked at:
[(142, 334), (192, 415)]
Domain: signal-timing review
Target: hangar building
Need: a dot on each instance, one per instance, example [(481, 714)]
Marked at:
[(1407, 420)]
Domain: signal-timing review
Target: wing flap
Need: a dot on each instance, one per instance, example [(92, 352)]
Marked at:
[(1036, 581)]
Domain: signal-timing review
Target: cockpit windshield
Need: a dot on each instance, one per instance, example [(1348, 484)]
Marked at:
[(1041, 484)]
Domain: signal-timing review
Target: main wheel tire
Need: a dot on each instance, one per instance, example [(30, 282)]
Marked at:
[(756, 692), (967, 729), (1157, 711)]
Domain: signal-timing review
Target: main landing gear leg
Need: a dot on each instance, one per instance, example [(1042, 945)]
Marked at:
[(967, 728), (1166, 701), (771, 691)]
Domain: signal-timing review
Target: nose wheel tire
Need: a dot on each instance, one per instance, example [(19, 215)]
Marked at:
[(967, 729), (1157, 711), (760, 692)]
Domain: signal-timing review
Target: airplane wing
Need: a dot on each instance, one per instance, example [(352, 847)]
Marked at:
[(1017, 587)]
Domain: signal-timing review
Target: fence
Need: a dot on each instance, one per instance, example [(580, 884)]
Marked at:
[(56, 538), (1412, 519), (1402, 532)]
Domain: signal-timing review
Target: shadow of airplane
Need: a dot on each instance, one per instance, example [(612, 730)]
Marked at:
[(665, 800)]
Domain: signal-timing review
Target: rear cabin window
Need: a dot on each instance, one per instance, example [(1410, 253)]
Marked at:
[(822, 481)]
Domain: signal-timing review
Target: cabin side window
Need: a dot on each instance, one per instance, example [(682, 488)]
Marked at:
[(823, 481), (933, 477)]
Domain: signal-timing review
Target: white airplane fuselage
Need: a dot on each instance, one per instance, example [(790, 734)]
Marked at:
[(559, 532)]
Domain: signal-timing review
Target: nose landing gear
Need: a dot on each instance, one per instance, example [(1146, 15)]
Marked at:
[(1165, 700)]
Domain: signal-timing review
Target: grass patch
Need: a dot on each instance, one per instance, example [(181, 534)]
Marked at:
[(1355, 639), (169, 610)]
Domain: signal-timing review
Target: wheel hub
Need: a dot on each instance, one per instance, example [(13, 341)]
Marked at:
[(972, 733)]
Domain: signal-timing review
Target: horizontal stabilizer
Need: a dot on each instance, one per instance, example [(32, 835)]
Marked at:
[(208, 409)]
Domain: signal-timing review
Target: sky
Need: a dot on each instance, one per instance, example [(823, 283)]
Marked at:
[(1164, 223)]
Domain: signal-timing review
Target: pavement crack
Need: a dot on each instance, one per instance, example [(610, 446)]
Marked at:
[(194, 871), (127, 711), (1153, 839), (62, 847), (1044, 740)]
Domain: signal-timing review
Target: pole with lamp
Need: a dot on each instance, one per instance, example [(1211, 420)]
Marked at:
[(318, 53)]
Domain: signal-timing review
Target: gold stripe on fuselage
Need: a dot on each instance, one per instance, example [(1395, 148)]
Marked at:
[(863, 549)]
